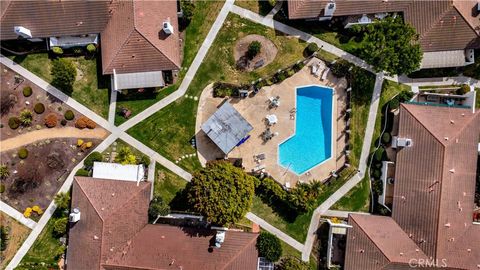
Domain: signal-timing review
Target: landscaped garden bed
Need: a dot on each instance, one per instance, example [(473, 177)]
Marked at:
[(12, 236)]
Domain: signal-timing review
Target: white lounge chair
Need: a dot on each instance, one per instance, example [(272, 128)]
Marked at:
[(324, 75)]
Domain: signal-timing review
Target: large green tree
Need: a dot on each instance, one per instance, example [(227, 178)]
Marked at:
[(63, 73), (221, 192), (391, 45), (269, 246)]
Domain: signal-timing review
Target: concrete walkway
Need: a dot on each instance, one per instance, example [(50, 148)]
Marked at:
[(341, 214), (112, 107), (51, 133), (283, 236), (367, 141), (192, 70), (7, 209)]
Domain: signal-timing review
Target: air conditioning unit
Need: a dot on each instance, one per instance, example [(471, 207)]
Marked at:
[(330, 9), (74, 216), (167, 28), (401, 142), (219, 238), (22, 31)]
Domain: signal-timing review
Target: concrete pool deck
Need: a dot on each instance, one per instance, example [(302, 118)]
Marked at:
[(255, 109)]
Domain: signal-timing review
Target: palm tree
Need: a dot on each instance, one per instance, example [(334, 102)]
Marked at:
[(62, 200), (4, 173)]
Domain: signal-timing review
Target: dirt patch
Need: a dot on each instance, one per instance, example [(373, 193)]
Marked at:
[(267, 53), (14, 88), (36, 179), (17, 233)]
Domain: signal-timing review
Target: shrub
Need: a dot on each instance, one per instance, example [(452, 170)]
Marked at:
[(376, 174), (379, 154), (82, 172), (63, 122), (125, 156), (311, 48), (91, 124), (91, 48), (465, 88), (405, 96), (39, 108), (57, 50), (26, 117), (94, 156), (386, 137), (2, 188), (63, 73), (62, 200), (188, 7), (13, 122), (79, 142), (22, 153), (28, 212), (27, 91), (158, 208), (292, 263), (37, 209), (269, 246), (7, 101), (84, 122), (77, 50), (60, 226), (298, 66), (254, 49), (280, 76), (51, 120), (145, 160), (394, 104), (3, 238), (69, 115), (340, 68), (4, 173)]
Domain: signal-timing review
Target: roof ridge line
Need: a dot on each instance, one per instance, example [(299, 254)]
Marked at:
[(430, 27), (129, 198), (465, 20), (140, 33), (425, 127), (89, 200), (119, 49), (241, 251)]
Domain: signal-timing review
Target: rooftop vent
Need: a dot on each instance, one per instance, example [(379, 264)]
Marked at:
[(401, 142), (330, 9), (219, 238), (74, 216), (167, 28), (22, 31)]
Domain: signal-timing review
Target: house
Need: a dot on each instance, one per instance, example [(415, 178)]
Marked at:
[(139, 39), (432, 222), (448, 30), (109, 230)]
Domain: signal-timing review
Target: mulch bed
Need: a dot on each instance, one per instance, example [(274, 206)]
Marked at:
[(267, 53)]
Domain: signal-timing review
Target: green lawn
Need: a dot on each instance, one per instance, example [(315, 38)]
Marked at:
[(169, 131), (262, 7), (205, 14), (299, 227), (167, 183), (357, 199), (90, 88), (477, 101)]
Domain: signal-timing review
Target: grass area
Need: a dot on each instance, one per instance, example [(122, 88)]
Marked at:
[(477, 101), (357, 199), (299, 227), (167, 183), (262, 7), (16, 233), (169, 131), (91, 88), (437, 86), (205, 14), (46, 249)]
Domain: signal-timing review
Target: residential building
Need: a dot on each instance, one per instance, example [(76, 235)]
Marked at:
[(449, 30), (432, 222), (139, 39), (109, 230)]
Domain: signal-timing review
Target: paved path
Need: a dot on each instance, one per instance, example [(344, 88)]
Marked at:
[(341, 214), (270, 22), (192, 70), (51, 209), (367, 142), (112, 107), (7, 209), (283, 236), (51, 133)]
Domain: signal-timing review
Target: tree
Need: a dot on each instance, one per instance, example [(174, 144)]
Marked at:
[(221, 192), (291, 263), (125, 156), (158, 207), (62, 200), (392, 46), (254, 49), (4, 173), (60, 226), (269, 246), (63, 73), (26, 117), (3, 238), (188, 7), (94, 156)]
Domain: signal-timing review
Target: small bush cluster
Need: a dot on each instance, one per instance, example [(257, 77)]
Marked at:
[(2, 188), (22, 153), (27, 91), (60, 226), (82, 172), (188, 8), (269, 246), (69, 115), (13, 122), (254, 49), (84, 122), (39, 108), (94, 156), (311, 48), (57, 50), (158, 207), (51, 120), (91, 48), (340, 68), (465, 88), (26, 117)]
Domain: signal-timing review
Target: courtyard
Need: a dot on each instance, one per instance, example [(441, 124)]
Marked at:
[(255, 109)]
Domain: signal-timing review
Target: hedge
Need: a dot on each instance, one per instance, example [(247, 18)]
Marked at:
[(39, 108), (269, 246), (386, 138), (13, 122), (311, 48), (69, 115), (379, 154), (82, 172), (27, 91), (94, 156), (22, 153)]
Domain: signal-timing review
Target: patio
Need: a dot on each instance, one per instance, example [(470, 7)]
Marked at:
[(262, 155)]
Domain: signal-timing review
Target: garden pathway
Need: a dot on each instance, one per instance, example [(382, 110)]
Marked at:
[(341, 214), (112, 107), (7, 209), (52, 133), (192, 70)]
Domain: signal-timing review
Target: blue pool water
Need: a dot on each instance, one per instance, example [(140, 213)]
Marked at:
[(312, 142)]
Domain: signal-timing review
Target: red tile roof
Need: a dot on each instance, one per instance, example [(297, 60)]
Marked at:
[(434, 190), (113, 234), (441, 24)]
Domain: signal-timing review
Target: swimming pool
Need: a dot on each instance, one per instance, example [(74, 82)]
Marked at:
[(312, 142)]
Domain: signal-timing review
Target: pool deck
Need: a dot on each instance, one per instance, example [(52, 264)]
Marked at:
[(254, 109)]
